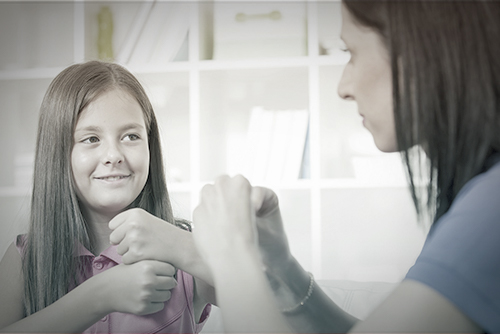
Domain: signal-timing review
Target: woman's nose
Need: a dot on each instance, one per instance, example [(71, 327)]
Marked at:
[(345, 89)]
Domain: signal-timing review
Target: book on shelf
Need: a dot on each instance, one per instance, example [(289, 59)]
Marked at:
[(173, 34), (275, 145), (123, 56), (298, 148), (157, 33)]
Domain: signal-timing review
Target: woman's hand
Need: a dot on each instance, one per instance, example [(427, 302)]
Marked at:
[(232, 212), (140, 288), (226, 235), (273, 243), (224, 219)]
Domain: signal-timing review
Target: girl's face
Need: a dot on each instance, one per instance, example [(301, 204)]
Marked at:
[(110, 157), (367, 79)]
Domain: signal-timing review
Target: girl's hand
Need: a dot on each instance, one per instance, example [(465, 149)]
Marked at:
[(224, 219), (142, 236), (140, 288)]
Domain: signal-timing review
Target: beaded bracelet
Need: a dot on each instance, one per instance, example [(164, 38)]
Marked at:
[(302, 302)]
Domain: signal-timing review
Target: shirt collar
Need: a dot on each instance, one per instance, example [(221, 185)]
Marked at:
[(110, 253)]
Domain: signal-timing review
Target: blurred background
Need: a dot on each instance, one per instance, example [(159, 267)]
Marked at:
[(238, 87)]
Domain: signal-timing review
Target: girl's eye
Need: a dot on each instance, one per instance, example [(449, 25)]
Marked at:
[(131, 137), (91, 140)]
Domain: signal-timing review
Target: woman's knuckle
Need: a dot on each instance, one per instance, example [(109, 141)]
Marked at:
[(207, 190), (241, 181)]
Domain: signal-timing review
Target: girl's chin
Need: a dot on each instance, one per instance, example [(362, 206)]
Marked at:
[(108, 211)]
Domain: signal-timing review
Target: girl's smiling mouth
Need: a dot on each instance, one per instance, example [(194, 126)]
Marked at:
[(112, 178)]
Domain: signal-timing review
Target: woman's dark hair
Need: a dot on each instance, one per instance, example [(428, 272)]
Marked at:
[(445, 60), (57, 226)]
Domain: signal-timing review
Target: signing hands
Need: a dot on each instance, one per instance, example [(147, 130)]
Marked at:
[(223, 221), (232, 213), (141, 288), (144, 282), (142, 236)]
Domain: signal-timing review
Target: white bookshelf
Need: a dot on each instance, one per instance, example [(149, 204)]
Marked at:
[(202, 103)]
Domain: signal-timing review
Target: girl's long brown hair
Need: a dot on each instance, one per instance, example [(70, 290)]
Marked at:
[(446, 89), (57, 226)]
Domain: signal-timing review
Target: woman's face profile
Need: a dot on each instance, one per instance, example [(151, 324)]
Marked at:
[(367, 79)]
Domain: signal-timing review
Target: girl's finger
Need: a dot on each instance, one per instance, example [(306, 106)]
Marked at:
[(164, 269), (122, 249), (155, 307), (161, 296), (118, 220), (118, 234), (166, 283)]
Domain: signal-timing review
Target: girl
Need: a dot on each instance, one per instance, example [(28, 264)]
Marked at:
[(424, 74), (98, 157)]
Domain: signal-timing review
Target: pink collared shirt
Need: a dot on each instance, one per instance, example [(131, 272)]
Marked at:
[(176, 317)]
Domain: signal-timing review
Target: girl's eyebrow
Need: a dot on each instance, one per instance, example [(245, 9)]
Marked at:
[(90, 128), (131, 126), (93, 128)]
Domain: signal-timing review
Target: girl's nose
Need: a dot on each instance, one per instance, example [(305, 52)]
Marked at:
[(345, 89), (112, 155)]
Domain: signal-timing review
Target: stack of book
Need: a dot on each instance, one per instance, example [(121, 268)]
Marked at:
[(275, 145)]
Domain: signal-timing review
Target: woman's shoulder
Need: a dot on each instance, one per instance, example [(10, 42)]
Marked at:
[(461, 252), (476, 209), (481, 193), (471, 225)]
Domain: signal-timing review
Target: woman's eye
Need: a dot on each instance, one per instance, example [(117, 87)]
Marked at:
[(347, 54), (91, 140), (131, 137)]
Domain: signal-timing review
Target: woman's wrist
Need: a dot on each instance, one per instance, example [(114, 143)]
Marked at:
[(295, 307), (291, 284), (236, 254)]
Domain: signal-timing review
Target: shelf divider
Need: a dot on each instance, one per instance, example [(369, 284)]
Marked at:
[(79, 31), (314, 138)]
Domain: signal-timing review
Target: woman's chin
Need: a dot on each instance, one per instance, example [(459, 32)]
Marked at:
[(386, 146)]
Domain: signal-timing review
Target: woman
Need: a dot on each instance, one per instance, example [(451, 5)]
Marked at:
[(425, 75)]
